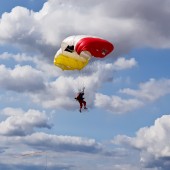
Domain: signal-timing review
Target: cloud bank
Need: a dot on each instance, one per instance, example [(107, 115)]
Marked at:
[(20, 123), (152, 142), (141, 24)]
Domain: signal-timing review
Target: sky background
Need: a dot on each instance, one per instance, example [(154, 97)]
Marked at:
[(127, 124)]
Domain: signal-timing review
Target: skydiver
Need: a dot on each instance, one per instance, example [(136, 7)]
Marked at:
[(81, 100)]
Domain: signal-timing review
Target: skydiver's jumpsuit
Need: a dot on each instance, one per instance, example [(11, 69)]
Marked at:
[(81, 101)]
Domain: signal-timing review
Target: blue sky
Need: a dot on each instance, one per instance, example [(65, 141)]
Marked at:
[(127, 124), (6, 6)]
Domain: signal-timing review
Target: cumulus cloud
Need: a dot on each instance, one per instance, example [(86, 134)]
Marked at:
[(116, 104), (122, 63), (62, 151), (152, 142), (20, 57), (61, 92), (142, 24), (20, 123), (149, 91), (41, 141), (48, 69), (62, 143), (21, 78), (25, 34)]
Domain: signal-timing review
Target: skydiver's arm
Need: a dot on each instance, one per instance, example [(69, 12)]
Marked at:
[(83, 90)]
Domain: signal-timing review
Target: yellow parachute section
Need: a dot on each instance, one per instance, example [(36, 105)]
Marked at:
[(67, 58), (67, 62)]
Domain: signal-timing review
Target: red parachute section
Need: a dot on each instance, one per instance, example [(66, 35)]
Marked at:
[(96, 46)]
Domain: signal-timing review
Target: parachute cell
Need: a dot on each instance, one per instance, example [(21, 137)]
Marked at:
[(76, 51), (96, 46), (69, 63)]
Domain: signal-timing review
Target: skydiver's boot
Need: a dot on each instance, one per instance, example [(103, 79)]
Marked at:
[(85, 107), (80, 110)]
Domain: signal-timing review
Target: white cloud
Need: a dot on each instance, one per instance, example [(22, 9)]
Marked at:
[(151, 90), (50, 142), (48, 69), (152, 142), (122, 63), (20, 57), (61, 143), (20, 123), (56, 93), (116, 104), (64, 150), (61, 92), (127, 28), (9, 111), (21, 78)]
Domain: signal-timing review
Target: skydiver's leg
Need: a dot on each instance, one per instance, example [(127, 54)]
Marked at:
[(81, 105), (84, 103)]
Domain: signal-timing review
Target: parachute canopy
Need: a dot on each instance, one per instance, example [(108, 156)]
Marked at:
[(76, 51)]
